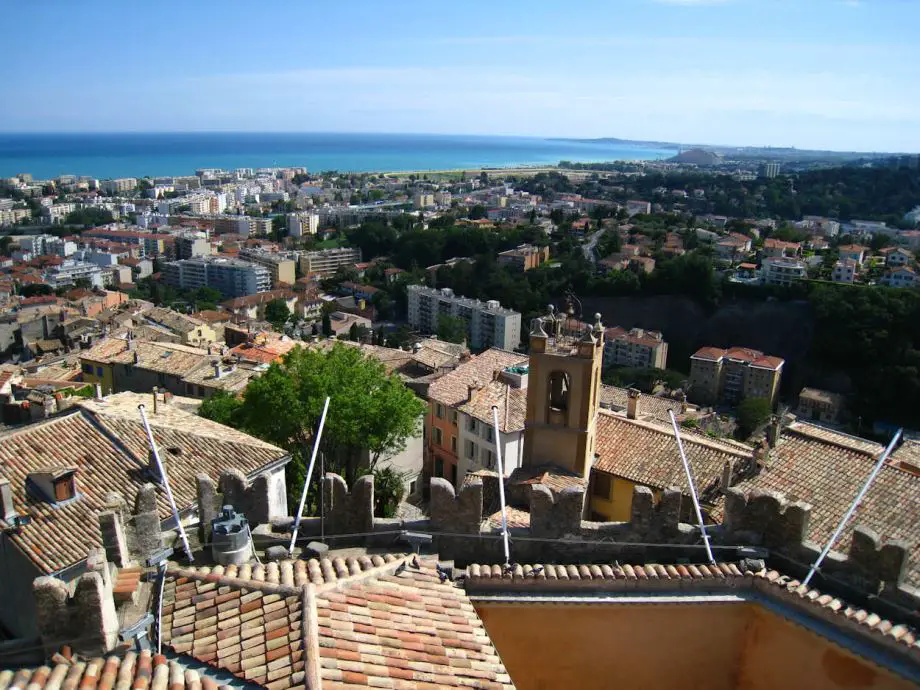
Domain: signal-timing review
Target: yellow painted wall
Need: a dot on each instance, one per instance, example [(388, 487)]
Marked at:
[(617, 506), (107, 380), (707, 646)]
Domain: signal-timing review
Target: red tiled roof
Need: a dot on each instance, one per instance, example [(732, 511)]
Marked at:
[(370, 621), (659, 578), (645, 452), (453, 388), (108, 446)]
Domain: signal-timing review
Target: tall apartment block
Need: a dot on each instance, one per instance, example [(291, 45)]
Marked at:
[(300, 224), (118, 186), (232, 277), (636, 347), (729, 376), (327, 261), (191, 246), (488, 324), (282, 267)]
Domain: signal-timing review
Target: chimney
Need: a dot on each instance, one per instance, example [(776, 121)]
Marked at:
[(726, 475), (774, 428), (761, 455), (7, 508), (99, 392), (632, 404), (155, 396), (217, 370), (683, 402), (470, 392)]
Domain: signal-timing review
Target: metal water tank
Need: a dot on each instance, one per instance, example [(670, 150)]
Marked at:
[(231, 542)]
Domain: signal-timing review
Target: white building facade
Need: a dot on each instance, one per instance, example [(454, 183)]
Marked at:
[(488, 324)]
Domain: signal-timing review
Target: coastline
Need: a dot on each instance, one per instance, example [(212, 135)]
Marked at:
[(104, 156)]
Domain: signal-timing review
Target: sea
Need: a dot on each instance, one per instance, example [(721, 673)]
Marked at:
[(109, 155)]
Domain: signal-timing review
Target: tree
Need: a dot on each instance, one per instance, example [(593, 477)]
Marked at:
[(477, 212), (388, 491), (222, 407), (89, 216), (84, 283), (370, 415), (451, 329), (327, 324), (353, 332), (752, 412), (277, 313)]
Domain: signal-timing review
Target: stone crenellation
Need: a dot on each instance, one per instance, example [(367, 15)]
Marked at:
[(87, 620), (251, 498), (556, 533), (130, 538)]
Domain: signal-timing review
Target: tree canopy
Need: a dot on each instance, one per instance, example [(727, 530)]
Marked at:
[(451, 329), (277, 313), (751, 413), (371, 414)]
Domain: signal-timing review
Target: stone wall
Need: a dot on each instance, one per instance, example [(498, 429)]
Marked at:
[(87, 621), (251, 498), (130, 538), (759, 524)]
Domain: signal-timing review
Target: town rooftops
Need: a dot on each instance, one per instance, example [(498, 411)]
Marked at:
[(645, 452), (754, 358), (173, 320), (637, 336), (105, 441), (379, 621), (453, 388), (258, 299), (649, 406), (826, 469), (510, 401)]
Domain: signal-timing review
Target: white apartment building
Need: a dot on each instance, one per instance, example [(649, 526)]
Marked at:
[(778, 270), (326, 262), (300, 224), (56, 213), (488, 324), (845, 271), (67, 273), (233, 278), (12, 216), (903, 277), (443, 198)]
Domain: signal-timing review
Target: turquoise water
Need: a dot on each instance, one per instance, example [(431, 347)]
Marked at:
[(163, 154)]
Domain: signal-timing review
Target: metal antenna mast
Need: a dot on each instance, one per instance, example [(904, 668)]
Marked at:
[(501, 482), (856, 501), (696, 502), (306, 484), (162, 471)]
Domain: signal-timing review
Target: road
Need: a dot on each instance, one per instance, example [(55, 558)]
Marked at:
[(589, 246)]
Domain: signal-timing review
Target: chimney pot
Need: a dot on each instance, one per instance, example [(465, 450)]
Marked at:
[(632, 403), (99, 392), (774, 428), (7, 506)]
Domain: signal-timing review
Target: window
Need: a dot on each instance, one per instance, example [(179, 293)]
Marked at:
[(200, 391), (453, 474), (470, 449), (600, 486), (453, 444), (438, 436), (490, 434), (487, 458), (438, 467), (87, 368), (472, 425), (439, 411), (98, 371), (559, 385), (65, 489), (453, 417)]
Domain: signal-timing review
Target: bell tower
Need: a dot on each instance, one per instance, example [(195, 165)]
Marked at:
[(563, 394)]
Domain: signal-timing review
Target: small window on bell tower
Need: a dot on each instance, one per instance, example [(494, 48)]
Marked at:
[(559, 387)]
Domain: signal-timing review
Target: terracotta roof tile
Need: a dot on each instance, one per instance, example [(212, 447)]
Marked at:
[(650, 406), (606, 577), (453, 388), (133, 669), (384, 623), (107, 444), (826, 469), (646, 453), (511, 403)]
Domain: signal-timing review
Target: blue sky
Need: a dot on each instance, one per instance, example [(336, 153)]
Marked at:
[(839, 74)]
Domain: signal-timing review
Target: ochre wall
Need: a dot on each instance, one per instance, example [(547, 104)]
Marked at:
[(776, 647), (711, 646), (550, 647)]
